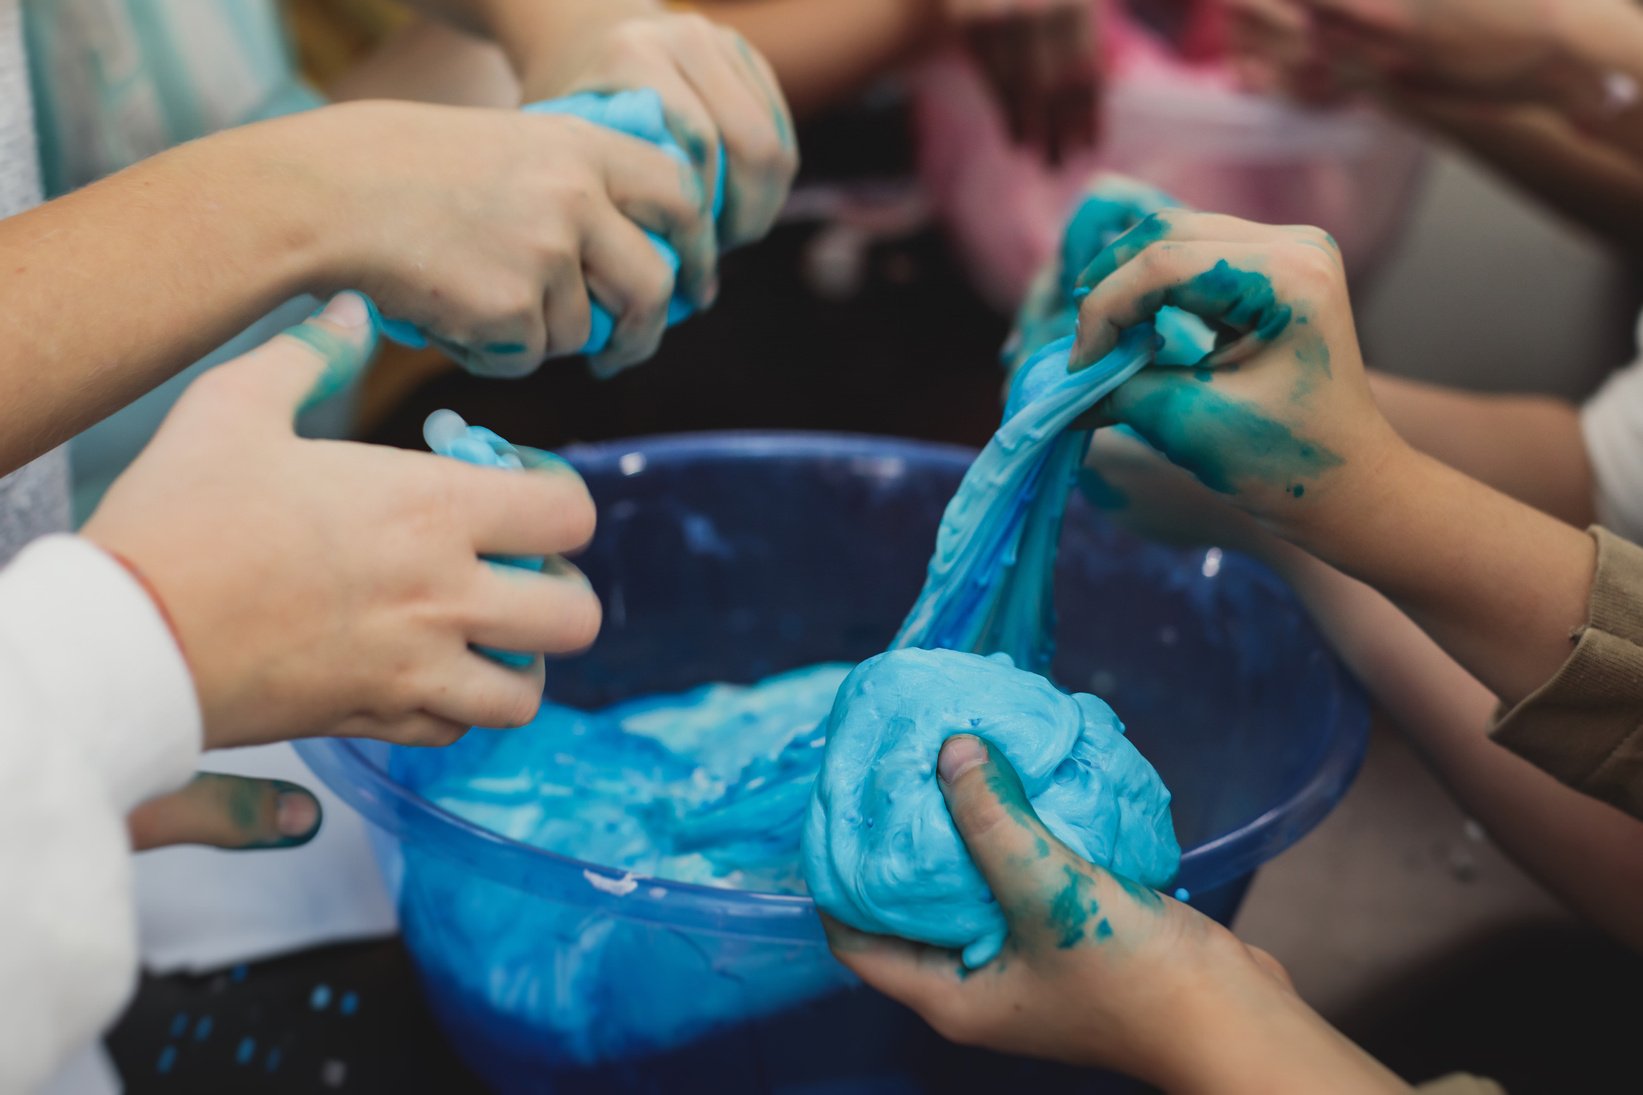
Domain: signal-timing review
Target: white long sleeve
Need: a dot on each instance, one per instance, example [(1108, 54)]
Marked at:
[(97, 714), (1612, 424)]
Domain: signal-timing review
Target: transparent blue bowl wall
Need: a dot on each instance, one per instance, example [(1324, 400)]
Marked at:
[(731, 557)]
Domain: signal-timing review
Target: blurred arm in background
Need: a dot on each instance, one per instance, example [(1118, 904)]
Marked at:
[(1547, 93)]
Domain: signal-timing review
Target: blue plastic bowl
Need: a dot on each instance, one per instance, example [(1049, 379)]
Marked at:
[(728, 557)]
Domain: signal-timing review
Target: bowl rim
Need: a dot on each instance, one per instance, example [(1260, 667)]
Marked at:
[(388, 805)]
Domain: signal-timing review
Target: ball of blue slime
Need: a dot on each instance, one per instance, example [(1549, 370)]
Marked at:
[(881, 852)]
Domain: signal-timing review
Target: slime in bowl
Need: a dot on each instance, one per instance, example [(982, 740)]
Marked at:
[(730, 558)]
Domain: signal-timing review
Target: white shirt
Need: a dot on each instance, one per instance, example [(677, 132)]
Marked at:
[(97, 714), (1612, 422)]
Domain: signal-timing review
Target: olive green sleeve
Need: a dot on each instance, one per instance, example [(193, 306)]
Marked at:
[(1585, 725)]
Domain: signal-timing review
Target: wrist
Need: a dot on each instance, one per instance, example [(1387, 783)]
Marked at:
[(307, 164), (280, 180), (1371, 481)]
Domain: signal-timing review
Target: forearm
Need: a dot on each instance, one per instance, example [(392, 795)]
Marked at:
[(110, 290), (1588, 181), (823, 50), (1497, 584), (536, 35), (1585, 852), (1268, 1042), (1529, 447)]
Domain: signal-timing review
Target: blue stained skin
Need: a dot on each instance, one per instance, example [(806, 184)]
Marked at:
[(344, 360), (1225, 441), (636, 113)]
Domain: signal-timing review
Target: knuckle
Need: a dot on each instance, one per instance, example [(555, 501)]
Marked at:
[(573, 192)]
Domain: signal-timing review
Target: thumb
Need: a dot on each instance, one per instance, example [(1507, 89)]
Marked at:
[(227, 812), (307, 364), (1010, 846), (1051, 897)]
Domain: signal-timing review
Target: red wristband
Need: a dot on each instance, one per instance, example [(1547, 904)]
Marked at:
[(153, 595)]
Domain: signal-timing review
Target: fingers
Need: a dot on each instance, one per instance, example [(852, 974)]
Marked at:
[(307, 363), (418, 729), (567, 311), (1219, 269), (909, 973), (476, 691), (546, 512), (673, 200), (1051, 898), (1009, 845), (228, 812), (755, 130), (1182, 226), (628, 275), (554, 612)]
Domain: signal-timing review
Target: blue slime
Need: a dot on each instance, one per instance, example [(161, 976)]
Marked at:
[(717, 786)]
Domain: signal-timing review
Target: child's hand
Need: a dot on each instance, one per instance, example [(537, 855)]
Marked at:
[(489, 228), (1041, 58), (1279, 418), (718, 92), (1097, 971), (327, 587)]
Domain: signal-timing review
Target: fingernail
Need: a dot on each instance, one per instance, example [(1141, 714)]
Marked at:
[(295, 814), (346, 310), (961, 753)]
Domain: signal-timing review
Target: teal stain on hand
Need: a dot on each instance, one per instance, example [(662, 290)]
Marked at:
[(1146, 898), (1103, 930), (1071, 909), (1223, 442), (1151, 229), (344, 359), (1241, 299), (1005, 786)]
